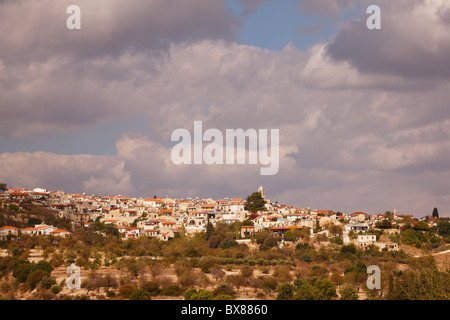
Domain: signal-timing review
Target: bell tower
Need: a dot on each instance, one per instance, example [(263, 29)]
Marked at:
[(263, 194)]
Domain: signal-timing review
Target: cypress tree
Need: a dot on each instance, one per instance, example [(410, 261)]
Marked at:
[(435, 213)]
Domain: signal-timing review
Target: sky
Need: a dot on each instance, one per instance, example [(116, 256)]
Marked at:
[(363, 115)]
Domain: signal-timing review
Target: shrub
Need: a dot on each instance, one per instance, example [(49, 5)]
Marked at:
[(126, 290), (246, 271), (47, 282), (336, 240), (224, 289), (285, 291), (348, 248), (110, 294), (56, 289), (35, 277), (269, 283), (202, 294), (152, 288), (139, 294), (226, 244), (189, 293), (324, 289), (207, 264), (172, 290), (348, 292), (223, 297)]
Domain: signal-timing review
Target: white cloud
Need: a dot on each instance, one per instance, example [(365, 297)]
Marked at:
[(354, 134)]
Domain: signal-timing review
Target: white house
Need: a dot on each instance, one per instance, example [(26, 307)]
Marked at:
[(60, 233), (366, 239), (39, 229), (8, 231)]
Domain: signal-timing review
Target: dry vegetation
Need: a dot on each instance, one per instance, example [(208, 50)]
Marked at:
[(213, 265)]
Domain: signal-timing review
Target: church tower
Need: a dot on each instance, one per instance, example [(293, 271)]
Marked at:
[(263, 194)]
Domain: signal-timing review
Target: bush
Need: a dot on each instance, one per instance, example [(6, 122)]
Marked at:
[(187, 279), (226, 244), (412, 238), (348, 248), (384, 224), (224, 289), (152, 288), (207, 264), (348, 292), (246, 271), (172, 290), (189, 293), (314, 289), (56, 289), (269, 283), (110, 294), (126, 290), (359, 267), (139, 294), (336, 240), (283, 273), (304, 291), (285, 291), (223, 297), (443, 228), (324, 289), (47, 282), (192, 294), (35, 277), (318, 270)]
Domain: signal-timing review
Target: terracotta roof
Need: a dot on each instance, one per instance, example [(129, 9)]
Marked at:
[(60, 231), (8, 227)]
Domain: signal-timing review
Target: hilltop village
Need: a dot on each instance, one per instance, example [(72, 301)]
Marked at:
[(212, 249), (164, 218)]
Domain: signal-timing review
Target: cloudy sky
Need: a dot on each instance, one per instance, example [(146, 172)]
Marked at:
[(364, 115)]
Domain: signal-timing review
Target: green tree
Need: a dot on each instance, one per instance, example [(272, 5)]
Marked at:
[(435, 213), (209, 229), (411, 237), (388, 215), (33, 221), (255, 203), (348, 248), (390, 287), (421, 225), (139, 294), (224, 289), (443, 228), (422, 284), (125, 290), (35, 277), (189, 293), (152, 288), (348, 292), (21, 270), (47, 282), (3, 187), (202, 294), (304, 291), (384, 224), (265, 239), (324, 289), (285, 291), (56, 289)]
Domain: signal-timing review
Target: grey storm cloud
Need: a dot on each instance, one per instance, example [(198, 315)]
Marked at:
[(36, 30), (360, 127), (413, 42)]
